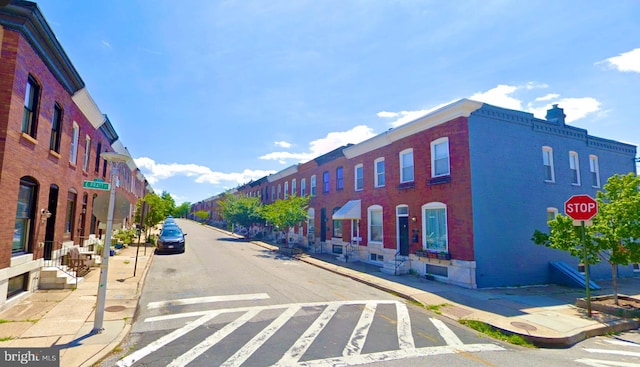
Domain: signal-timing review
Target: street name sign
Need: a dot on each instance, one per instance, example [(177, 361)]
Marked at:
[(96, 185), (581, 207)]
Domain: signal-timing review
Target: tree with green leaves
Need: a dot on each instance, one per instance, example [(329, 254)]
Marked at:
[(155, 210), (240, 210), (182, 210), (169, 203), (202, 215), (287, 213), (615, 234)]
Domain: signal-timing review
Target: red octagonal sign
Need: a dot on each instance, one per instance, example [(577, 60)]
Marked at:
[(581, 207)]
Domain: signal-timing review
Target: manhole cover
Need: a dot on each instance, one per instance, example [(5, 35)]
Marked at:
[(114, 308), (524, 326)]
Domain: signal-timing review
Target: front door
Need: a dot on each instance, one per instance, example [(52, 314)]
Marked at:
[(51, 222), (403, 235)]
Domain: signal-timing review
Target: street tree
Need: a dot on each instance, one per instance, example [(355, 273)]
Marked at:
[(615, 234), (155, 211), (182, 210), (287, 213), (202, 215), (240, 210)]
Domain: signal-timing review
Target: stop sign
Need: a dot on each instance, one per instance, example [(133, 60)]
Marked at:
[(581, 207)]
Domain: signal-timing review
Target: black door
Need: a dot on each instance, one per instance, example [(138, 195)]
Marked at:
[(51, 222), (403, 234)]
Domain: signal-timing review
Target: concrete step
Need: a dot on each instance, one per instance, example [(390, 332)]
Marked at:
[(55, 278)]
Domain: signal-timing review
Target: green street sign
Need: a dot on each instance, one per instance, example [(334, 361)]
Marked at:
[(96, 185)]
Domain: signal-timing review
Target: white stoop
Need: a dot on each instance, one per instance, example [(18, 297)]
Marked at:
[(54, 278), (400, 267)]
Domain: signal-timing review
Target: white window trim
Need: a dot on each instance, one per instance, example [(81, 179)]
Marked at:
[(548, 152), (376, 173), (294, 186), (303, 187), (370, 209), (434, 205), (552, 213), (286, 190), (433, 157), (574, 165), (313, 189), (594, 167), (87, 147), (355, 177), (402, 154), (73, 154)]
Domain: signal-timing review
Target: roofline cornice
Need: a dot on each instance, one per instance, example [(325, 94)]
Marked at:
[(460, 108), (26, 18)]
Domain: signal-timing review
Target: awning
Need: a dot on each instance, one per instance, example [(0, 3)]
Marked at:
[(350, 210)]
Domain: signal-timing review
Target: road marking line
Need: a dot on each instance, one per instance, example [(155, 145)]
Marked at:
[(191, 301), (449, 336), (617, 352), (622, 342), (266, 307), (257, 341), (297, 350), (599, 363), (212, 340), (360, 332), (154, 346), (399, 354), (405, 336)]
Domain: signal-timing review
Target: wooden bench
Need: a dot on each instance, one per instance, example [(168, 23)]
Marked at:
[(81, 264)]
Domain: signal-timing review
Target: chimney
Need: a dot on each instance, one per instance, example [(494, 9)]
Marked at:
[(556, 115)]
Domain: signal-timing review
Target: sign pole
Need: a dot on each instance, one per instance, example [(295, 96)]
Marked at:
[(586, 270)]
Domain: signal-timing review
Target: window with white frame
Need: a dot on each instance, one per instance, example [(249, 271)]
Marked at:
[(311, 215), (313, 185), (435, 226), (574, 166), (594, 170), (337, 225), (279, 191), (294, 188), (273, 193), (87, 151), (552, 213), (374, 214), (30, 114), (440, 157), (358, 173), (303, 187), (547, 161), (379, 172), (286, 190), (406, 165), (73, 155)]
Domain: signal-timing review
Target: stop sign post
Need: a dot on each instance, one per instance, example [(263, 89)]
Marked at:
[(582, 208)]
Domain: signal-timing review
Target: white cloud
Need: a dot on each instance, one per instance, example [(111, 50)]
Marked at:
[(283, 144), (324, 145), (625, 62), (503, 96), (155, 172)]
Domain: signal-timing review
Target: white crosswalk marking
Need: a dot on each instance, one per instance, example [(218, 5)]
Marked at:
[(294, 353), (352, 353), (245, 352), (212, 340), (616, 352), (198, 300), (599, 363), (359, 335), (449, 337)]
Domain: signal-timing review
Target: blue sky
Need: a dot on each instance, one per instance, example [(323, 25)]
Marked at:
[(207, 95)]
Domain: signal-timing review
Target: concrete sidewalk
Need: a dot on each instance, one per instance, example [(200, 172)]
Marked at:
[(65, 318)]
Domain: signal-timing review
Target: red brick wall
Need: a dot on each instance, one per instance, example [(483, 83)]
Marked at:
[(456, 194), (22, 156)]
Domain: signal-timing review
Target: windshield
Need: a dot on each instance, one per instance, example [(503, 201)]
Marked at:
[(171, 233)]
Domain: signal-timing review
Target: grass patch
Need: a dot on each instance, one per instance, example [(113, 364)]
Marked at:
[(126, 262), (3, 321), (6, 339), (496, 334), (436, 308)]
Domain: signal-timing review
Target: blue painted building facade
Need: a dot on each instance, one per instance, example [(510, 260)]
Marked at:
[(523, 169)]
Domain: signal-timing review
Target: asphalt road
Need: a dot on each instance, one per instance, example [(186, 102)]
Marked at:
[(225, 302)]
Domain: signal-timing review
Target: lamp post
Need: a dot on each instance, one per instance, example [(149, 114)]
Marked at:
[(114, 159)]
